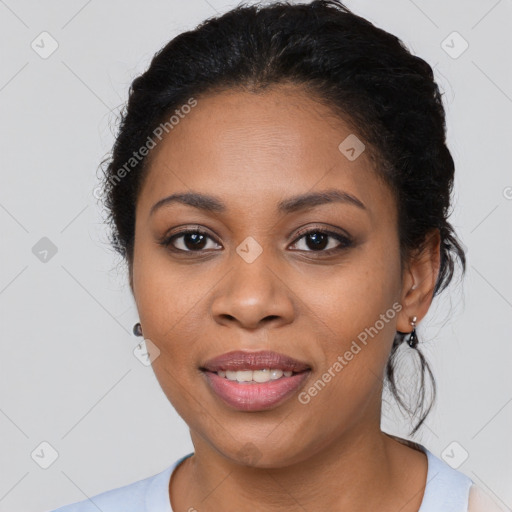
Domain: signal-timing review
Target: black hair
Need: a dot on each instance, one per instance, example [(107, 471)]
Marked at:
[(361, 72)]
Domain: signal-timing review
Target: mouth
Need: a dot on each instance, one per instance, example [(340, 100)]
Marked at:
[(254, 381), (255, 376)]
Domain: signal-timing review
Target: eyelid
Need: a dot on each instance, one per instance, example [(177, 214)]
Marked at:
[(323, 229), (343, 238), (168, 239)]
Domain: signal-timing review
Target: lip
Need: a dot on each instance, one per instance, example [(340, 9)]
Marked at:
[(244, 360), (255, 396)]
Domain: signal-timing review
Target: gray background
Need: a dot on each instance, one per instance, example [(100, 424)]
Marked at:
[(69, 376)]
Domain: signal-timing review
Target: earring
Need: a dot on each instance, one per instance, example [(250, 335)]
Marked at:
[(412, 340), (137, 329)]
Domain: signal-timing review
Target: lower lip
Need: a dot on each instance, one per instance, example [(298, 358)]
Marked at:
[(255, 396)]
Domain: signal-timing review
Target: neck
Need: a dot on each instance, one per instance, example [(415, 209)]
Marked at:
[(360, 471)]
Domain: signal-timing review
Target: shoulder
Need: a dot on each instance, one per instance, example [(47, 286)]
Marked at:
[(480, 501), (446, 488), (442, 476), (132, 497), (451, 490)]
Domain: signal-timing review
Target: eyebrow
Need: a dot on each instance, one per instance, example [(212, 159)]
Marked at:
[(292, 204)]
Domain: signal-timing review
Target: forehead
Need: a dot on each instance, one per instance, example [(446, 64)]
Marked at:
[(251, 148)]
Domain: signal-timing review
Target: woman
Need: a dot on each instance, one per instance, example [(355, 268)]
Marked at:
[(280, 188)]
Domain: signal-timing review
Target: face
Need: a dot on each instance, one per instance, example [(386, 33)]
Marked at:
[(319, 282)]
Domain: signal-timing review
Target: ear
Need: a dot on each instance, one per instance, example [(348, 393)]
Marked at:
[(418, 281), (130, 276)]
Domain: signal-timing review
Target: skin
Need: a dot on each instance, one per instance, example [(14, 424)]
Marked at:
[(252, 151)]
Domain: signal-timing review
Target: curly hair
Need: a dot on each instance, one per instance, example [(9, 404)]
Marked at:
[(362, 73)]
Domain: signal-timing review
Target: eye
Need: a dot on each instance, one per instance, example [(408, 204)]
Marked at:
[(187, 240), (318, 240)]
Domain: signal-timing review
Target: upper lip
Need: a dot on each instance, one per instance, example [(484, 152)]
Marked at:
[(244, 360)]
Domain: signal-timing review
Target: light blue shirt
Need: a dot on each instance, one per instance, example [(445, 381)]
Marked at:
[(446, 490)]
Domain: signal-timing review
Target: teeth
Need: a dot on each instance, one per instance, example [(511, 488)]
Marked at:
[(254, 376), (261, 375), (276, 374)]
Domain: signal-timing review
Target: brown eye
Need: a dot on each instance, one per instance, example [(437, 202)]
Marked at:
[(315, 240), (318, 240), (192, 240)]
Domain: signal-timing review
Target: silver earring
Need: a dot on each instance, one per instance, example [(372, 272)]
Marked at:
[(137, 329)]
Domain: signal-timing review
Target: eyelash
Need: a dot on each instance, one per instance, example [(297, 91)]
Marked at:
[(345, 242)]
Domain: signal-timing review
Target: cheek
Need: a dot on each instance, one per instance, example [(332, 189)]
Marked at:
[(355, 311), (350, 297), (169, 301)]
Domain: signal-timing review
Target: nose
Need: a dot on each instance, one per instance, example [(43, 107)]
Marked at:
[(253, 295)]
